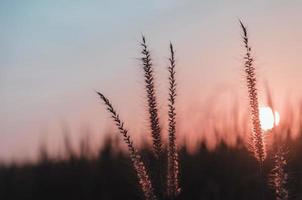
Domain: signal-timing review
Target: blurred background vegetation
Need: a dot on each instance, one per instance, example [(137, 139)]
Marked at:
[(224, 172)]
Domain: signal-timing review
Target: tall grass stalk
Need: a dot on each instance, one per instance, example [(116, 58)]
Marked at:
[(257, 135), (279, 176), (143, 177), (257, 145), (173, 188), (151, 97)]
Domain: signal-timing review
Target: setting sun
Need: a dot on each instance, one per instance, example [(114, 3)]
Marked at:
[(268, 119)]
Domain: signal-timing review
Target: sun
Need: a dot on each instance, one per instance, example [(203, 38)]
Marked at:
[(268, 118)]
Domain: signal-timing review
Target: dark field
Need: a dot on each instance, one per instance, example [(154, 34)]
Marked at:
[(225, 173)]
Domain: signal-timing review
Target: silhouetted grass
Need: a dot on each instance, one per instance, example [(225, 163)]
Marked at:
[(225, 173), (138, 165), (258, 146), (151, 99), (173, 188)]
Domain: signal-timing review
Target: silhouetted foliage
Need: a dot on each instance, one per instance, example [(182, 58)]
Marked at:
[(225, 173)]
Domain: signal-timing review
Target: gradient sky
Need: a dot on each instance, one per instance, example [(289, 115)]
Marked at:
[(54, 54)]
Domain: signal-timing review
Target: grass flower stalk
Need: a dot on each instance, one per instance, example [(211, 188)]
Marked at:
[(173, 188), (151, 97), (257, 143), (143, 177), (279, 176), (258, 146)]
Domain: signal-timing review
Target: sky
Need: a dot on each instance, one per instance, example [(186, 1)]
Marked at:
[(55, 54)]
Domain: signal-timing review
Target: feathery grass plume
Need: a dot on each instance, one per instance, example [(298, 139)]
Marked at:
[(143, 177), (278, 176), (173, 188), (258, 147), (152, 103)]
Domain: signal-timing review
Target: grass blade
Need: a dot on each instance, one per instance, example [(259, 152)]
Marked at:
[(143, 177)]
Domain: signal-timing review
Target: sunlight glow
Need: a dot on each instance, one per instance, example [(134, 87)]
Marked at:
[(268, 119)]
